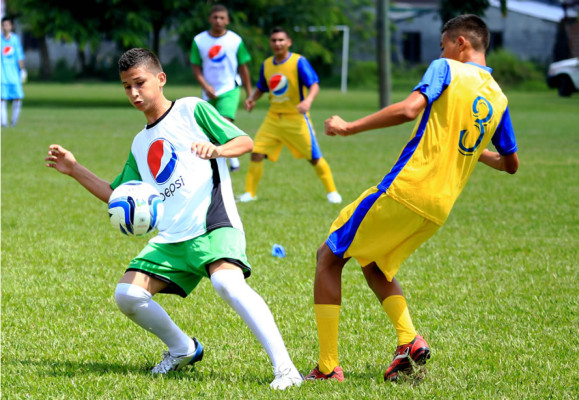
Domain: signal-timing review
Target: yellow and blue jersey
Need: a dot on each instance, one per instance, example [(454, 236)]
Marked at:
[(287, 82), (466, 110)]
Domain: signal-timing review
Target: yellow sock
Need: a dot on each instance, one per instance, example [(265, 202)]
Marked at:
[(327, 317), (254, 173), (325, 174), (395, 307)]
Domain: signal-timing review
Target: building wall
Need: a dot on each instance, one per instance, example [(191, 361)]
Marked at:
[(528, 37)]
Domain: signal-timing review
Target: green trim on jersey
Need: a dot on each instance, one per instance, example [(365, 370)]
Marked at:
[(217, 128), (195, 56), (130, 172), (242, 54)]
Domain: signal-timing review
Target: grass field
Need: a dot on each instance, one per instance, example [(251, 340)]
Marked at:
[(495, 292)]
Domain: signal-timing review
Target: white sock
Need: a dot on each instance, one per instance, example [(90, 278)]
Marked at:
[(232, 288), (4, 113), (234, 162), (16, 107), (138, 304)]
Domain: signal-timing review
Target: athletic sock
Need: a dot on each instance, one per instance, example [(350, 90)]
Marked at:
[(397, 310), (327, 318), (16, 108), (231, 286), (324, 172), (138, 304), (254, 174), (4, 113)]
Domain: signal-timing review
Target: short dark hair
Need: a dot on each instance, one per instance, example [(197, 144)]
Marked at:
[(279, 29), (218, 8), (137, 57), (470, 26), (7, 19)]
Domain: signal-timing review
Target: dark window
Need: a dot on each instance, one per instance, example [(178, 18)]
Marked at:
[(411, 46), (496, 41)]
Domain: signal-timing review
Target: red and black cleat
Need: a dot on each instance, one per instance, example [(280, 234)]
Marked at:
[(417, 351)]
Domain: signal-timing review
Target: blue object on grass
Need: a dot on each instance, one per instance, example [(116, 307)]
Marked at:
[(278, 251)]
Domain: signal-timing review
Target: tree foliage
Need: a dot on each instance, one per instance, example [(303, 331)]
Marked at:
[(453, 8)]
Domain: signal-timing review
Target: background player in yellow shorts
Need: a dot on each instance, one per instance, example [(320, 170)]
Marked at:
[(460, 109), (293, 85)]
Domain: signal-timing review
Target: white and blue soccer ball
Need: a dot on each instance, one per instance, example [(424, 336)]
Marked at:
[(135, 208)]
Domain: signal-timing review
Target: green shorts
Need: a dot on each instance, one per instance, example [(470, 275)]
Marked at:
[(227, 103), (183, 264)]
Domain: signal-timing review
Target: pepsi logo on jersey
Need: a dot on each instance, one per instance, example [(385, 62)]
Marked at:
[(216, 53), (162, 160), (278, 84)]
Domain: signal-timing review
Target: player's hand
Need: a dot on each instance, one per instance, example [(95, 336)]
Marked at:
[(23, 75), (60, 159), (249, 104), (205, 150), (336, 126), (210, 92), (304, 106)]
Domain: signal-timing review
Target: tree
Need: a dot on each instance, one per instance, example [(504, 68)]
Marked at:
[(452, 8)]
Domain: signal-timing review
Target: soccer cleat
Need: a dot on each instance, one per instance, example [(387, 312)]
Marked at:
[(334, 198), (172, 363), (246, 197), (337, 374), (286, 378), (418, 351)]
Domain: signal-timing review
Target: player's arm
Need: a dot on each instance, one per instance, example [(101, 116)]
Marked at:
[(394, 114), (224, 138), (207, 88), (234, 148), (252, 99), (508, 163), (245, 78), (64, 161), (305, 105), (504, 140)]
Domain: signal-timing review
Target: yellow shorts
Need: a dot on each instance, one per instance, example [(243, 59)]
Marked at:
[(377, 228), (292, 130)]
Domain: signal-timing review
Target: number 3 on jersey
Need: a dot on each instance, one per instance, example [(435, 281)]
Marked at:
[(480, 107)]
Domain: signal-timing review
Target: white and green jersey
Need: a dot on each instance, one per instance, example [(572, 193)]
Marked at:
[(197, 193), (219, 57)]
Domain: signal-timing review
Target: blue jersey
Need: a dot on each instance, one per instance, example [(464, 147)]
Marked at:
[(11, 55)]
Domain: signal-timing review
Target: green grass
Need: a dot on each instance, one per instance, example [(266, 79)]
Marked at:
[(495, 292)]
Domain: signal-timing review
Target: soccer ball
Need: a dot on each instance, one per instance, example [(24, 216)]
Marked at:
[(135, 208)]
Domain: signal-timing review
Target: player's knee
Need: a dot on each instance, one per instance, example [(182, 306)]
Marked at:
[(130, 297), (227, 283)]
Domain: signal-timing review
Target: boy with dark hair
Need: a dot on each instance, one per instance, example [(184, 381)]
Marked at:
[(219, 59), (183, 146), (293, 85), (460, 109)]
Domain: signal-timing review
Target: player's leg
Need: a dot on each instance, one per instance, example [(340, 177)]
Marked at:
[(4, 112), (161, 267), (302, 142), (16, 108), (404, 231), (253, 177), (327, 302), (134, 297), (226, 104), (324, 173), (229, 282)]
